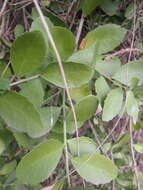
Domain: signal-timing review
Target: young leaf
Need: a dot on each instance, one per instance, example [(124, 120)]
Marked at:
[(107, 37), (77, 74), (65, 41), (20, 114), (110, 7), (112, 104), (102, 88), (86, 146), (95, 168), (38, 165), (129, 71), (132, 106), (84, 110), (28, 53)]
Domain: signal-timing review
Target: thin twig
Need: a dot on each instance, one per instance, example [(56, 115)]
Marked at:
[(79, 30), (3, 8), (65, 139), (133, 154), (122, 51), (24, 80), (49, 35)]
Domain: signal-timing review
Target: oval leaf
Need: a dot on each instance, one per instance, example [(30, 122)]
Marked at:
[(84, 111), (38, 165), (130, 71), (20, 114), (132, 106), (86, 146), (77, 74), (28, 53), (112, 104), (95, 168), (107, 37), (65, 41)]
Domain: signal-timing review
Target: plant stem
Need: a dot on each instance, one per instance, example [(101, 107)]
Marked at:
[(24, 80), (49, 35), (65, 140)]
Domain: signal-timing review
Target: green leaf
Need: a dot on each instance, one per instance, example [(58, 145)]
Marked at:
[(89, 5), (107, 67), (138, 148), (65, 41), (84, 56), (4, 84), (129, 71), (33, 91), (39, 164), (102, 88), (38, 25), (2, 146), (132, 106), (90, 103), (129, 13), (112, 104), (95, 168), (8, 168), (23, 140), (20, 114), (18, 30), (107, 37), (28, 53), (122, 141), (82, 188), (78, 93), (76, 74), (110, 7), (54, 18), (86, 146)]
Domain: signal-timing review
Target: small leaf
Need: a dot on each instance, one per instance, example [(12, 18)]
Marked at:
[(2, 146), (8, 168), (18, 30), (86, 146), (95, 168), (33, 91), (107, 37), (84, 56), (102, 88), (107, 68), (78, 93), (138, 148), (38, 165), (65, 44), (76, 74), (129, 71), (28, 53), (89, 5), (132, 106), (110, 7), (90, 103), (38, 25), (112, 104)]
